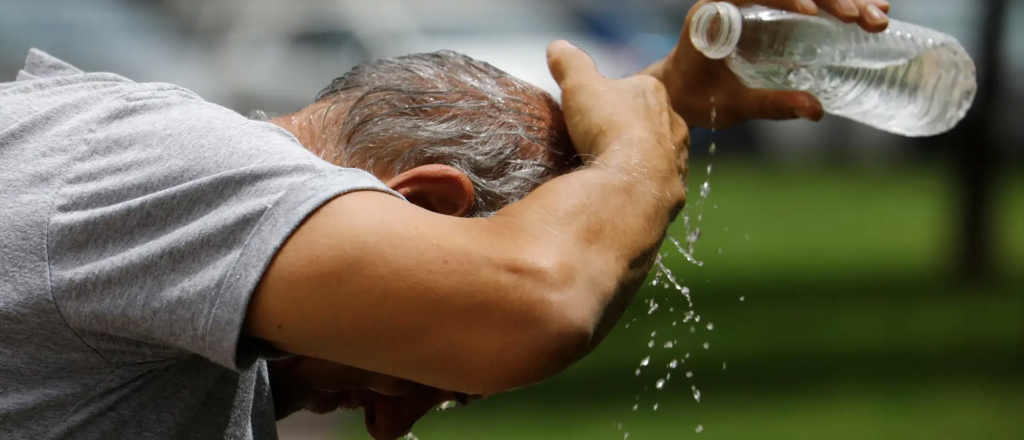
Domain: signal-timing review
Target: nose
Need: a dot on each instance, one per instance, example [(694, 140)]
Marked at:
[(390, 417)]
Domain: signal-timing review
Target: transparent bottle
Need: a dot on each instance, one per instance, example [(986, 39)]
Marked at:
[(908, 80)]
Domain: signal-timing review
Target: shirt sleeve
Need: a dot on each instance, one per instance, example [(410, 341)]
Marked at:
[(166, 220)]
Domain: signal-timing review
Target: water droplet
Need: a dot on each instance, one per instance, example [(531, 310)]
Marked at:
[(653, 334), (700, 429), (673, 364), (636, 406), (696, 318), (693, 329), (673, 323), (646, 361), (707, 345), (709, 169), (713, 147), (668, 376), (671, 309), (625, 436), (746, 237), (743, 298), (689, 374), (705, 189), (410, 436), (711, 326), (668, 344), (654, 306), (655, 406), (650, 344), (719, 250), (446, 405), (696, 393), (659, 384), (687, 355), (637, 371), (723, 365), (688, 316)]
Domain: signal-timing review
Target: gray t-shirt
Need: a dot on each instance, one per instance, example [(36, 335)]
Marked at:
[(135, 222)]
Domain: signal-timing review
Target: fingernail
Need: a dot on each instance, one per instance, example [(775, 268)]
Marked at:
[(562, 44), (875, 15), (804, 113), (808, 7), (847, 8)]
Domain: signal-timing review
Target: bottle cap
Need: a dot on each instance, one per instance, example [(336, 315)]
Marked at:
[(715, 29)]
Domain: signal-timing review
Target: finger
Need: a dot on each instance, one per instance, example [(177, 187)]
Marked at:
[(845, 10), (783, 105), (872, 18), (802, 6), (569, 62)]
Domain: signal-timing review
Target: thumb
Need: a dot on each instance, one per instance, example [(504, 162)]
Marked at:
[(782, 105), (567, 61)]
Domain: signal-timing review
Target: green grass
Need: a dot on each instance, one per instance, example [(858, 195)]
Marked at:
[(956, 412), (853, 325)]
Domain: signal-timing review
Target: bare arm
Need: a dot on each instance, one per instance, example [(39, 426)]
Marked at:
[(485, 305)]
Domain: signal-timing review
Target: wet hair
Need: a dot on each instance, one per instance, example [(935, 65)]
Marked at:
[(445, 108)]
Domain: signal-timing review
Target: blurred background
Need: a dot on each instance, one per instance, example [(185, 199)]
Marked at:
[(856, 285)]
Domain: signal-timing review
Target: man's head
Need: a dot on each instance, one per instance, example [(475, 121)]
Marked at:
[(450, 133)]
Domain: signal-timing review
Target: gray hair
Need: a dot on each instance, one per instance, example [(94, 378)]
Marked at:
[(506, 135)]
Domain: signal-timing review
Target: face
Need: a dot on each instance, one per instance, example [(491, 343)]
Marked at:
[(390, 405)]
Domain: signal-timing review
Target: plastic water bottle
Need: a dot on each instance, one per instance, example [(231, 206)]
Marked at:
[(908, 80)]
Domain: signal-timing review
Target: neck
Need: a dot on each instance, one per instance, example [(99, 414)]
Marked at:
[(307, 125)]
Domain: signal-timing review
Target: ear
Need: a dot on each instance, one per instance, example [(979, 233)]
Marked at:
[(439, 188)]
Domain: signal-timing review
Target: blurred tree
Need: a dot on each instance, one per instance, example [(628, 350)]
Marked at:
[(975, 150)]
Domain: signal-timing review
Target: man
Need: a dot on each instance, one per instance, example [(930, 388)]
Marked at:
[(157, 250)]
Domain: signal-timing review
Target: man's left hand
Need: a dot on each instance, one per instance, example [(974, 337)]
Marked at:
[(693, 80)]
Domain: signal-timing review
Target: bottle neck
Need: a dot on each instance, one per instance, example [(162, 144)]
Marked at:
[(715, 29)]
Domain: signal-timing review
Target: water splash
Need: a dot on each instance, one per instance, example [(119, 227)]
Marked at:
[(446, 405), (686, 253), (705, 189)]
